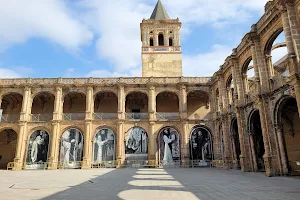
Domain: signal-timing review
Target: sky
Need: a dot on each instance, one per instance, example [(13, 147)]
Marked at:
[(101, 38)]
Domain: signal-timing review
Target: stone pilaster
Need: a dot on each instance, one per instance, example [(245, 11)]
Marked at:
[(55, 140), (121, 138), (239, 90), (268, 136), (152, 104), (245, 157), (152, 147), (87, 153), (183, 102), (282, 152), (185, 144), (121, 102), (155, 38), (22, 137), (89, 104)]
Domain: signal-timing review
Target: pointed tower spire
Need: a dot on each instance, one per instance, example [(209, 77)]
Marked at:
[(159, 12)]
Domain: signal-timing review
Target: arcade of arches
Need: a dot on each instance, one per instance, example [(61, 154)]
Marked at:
[(243, 117)]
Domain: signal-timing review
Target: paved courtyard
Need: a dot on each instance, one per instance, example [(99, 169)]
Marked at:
[(131, 184)]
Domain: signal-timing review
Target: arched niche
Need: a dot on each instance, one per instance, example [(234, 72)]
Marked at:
[(37, 150), (71, 148), (104, 151), (169, 146), (136, 144), (201, 145), (8, 143)]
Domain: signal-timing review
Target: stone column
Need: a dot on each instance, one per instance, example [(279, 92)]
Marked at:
[(89, 104), (282, 152), (152, 104), (245, 157), (152, 144), (270, 65), (239, 88), (87, 154), (120, 145), (183, 102), (57, 117), (226, 139), (121, 102), (266, 122), (166, 38), (22, 137), (292, 35), (259, 63), (254, 161), (185, 144), (294, 27), (155, 38)]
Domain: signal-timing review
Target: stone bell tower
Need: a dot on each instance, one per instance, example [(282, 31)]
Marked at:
[(161, 50)]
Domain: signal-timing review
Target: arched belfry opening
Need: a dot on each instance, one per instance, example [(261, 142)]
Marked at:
[(161, 41)]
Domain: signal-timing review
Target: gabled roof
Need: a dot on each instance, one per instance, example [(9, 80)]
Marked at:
[(159, 12)]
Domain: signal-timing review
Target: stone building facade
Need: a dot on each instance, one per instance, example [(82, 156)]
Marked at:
[(228, 120)]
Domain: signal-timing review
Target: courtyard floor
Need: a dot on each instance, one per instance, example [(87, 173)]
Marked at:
[(131, 184)]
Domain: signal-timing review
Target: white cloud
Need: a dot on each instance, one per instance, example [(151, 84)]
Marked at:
[(205, 64), (9, 73), (117, 23), (49, 19), (105, 73)]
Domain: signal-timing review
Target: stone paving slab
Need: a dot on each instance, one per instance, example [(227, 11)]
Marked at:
[(135, 184)]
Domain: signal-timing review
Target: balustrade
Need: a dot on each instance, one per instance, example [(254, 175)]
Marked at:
[(165, 116), (10, 117), (105, 116), (73, 116)]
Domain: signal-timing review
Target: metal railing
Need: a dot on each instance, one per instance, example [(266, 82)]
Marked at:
[(74, 116), (137, 116), (10, 118), (165, 116), (41, 117), (105, 116)]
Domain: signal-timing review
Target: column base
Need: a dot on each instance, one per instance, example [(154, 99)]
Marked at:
[(245, 164), (86, 164), (269, 166), (17, 165)]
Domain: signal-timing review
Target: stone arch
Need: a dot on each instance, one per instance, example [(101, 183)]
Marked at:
[(71, 148), (41, 92), (256, 138), (136, 144), (38, 146), (287, 122), (104, 146), (75, 103), (197, 104), (106, 102), (167, 101), (271, 40), (136, 102), (42, 106), (8, 144), (201, 144), (173, 138), (235, 140), (11, 106)]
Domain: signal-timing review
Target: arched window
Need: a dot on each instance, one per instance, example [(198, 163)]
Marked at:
[(161, 40), (151, 42), (170, 42)]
